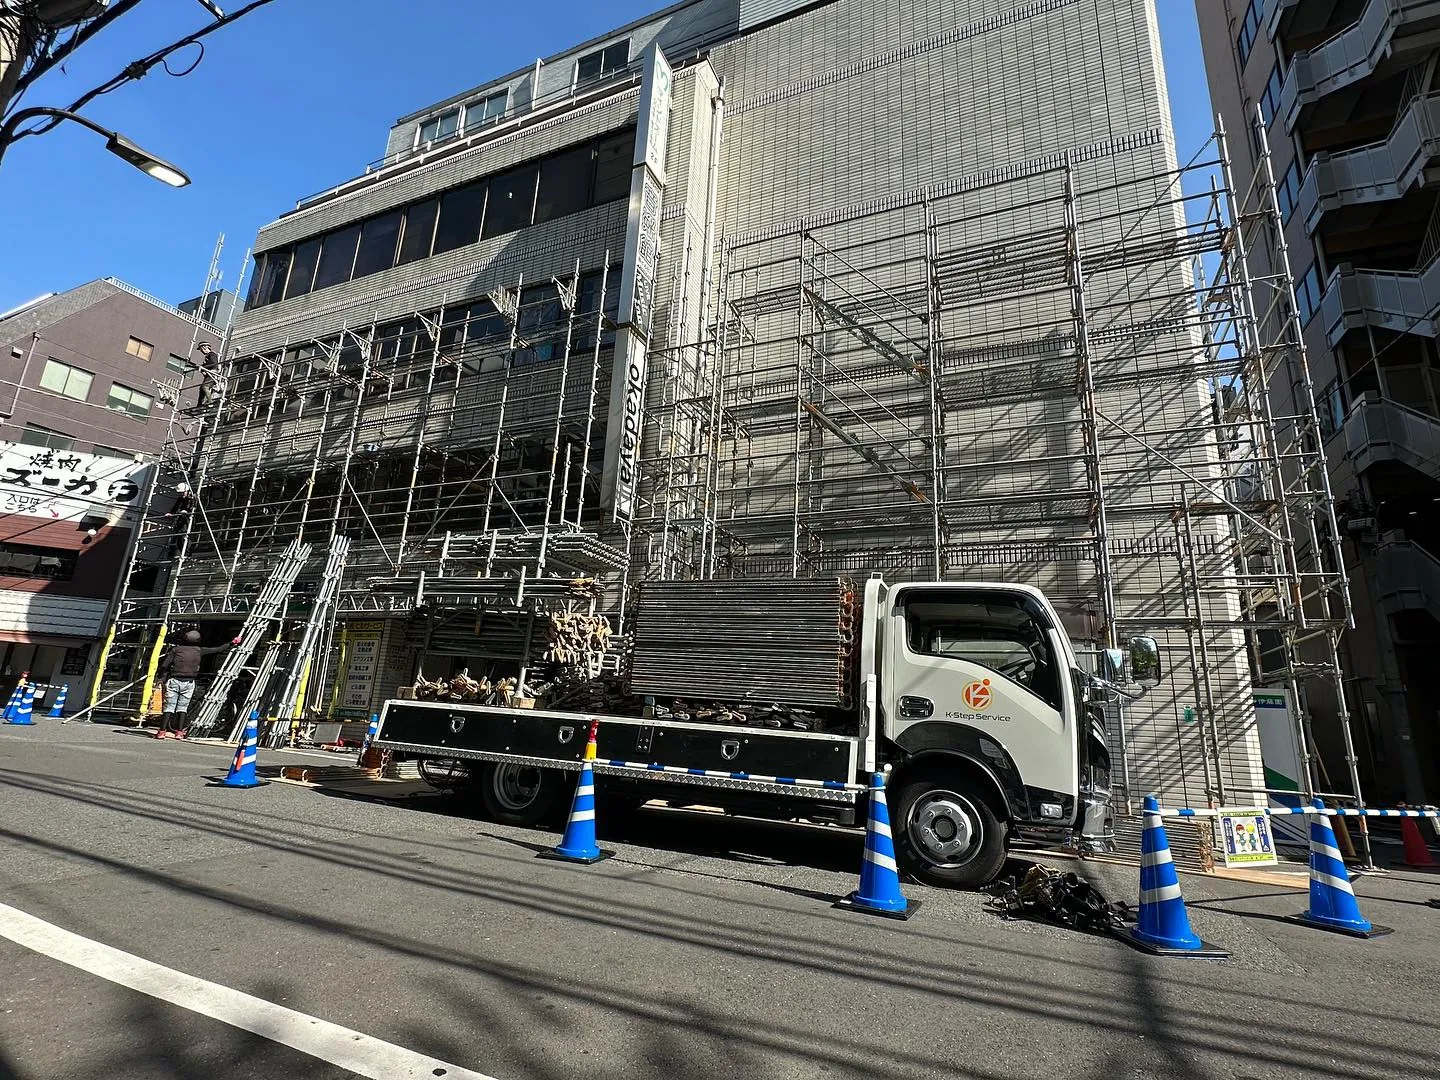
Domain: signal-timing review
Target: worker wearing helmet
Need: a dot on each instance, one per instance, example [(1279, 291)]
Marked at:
[(180, 665)]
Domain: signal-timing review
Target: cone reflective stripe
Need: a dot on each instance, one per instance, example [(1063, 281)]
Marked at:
[(1332, 900), (57, 710), (579, 844), (1163, 927), (24, 712), (242, 769), (879, 892)]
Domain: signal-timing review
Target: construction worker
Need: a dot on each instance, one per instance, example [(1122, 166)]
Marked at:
[(179, 666)]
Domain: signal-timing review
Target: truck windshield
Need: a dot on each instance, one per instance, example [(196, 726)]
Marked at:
[(997, 633)]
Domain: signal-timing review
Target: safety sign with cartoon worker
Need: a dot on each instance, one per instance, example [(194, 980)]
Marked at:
[(1245, 836)]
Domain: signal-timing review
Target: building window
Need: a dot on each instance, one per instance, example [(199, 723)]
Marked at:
[(1332, 408), (1249, 30), (302, 268), (1308, 293), (177, 363), (72, 382), (614, 162), (419, 231), (512, 201), (486, 111), (440, 127), (460, 214), (141, 350), (1287, 193), (337, 257), (23, 561), (35, 435), (1270, 96), (565, 182), (124, 399), (378, 237), (602, 62)]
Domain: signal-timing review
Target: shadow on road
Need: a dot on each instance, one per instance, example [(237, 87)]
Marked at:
[(1115, 992)]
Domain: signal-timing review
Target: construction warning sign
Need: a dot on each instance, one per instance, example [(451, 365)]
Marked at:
[(1245, 836)]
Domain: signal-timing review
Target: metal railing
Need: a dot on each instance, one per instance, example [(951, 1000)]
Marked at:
[(1378, 430), (163, 305), (1408, 578)]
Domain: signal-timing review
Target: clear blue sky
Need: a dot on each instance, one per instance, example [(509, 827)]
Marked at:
[(290, 100)]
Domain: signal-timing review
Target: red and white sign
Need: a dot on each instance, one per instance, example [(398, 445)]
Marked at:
[(978, 695)]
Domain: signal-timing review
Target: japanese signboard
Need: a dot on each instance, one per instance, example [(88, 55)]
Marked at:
[(362, 663), (654, 119), (1244, 836), (61, 485)]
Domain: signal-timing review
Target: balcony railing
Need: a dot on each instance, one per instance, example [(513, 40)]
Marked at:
[(1377, 430), (1375, 173), (1405, 301), (1408, 579), (1350, 55)]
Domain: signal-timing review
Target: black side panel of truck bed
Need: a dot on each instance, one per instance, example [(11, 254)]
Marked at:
[(472, 729)]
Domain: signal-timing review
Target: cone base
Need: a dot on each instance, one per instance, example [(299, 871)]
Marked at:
[(241, 784), (852, 903), (584, 860), (21, 723), (1306, 919), (1206, 951)]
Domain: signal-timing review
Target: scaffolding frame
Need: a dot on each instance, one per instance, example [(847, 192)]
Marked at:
[(455, 447), (1055, 374)]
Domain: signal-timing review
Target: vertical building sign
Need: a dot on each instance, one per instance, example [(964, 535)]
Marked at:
[(637, 290)]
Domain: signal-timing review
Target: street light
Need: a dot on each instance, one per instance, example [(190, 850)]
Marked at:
[(116, 143)]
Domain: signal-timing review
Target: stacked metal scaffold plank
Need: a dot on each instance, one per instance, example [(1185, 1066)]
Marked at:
[(790, 640)]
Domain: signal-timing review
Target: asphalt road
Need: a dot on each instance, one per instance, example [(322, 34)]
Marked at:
[(705, 949)]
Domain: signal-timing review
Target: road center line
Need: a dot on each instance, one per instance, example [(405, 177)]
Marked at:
[(321, 1039)]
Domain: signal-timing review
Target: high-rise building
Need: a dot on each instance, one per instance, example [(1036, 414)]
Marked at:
[(769, 289), (1347, 97)]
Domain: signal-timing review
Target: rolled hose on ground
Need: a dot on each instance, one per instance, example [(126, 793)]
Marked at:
[(1062, 898)]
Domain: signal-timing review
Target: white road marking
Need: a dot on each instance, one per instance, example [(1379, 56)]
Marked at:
[(353, 1050)]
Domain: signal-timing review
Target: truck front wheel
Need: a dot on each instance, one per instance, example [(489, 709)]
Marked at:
[(519, 794), (945, 833)]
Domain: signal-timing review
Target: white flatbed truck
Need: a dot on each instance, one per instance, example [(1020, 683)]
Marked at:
[(970, 693)]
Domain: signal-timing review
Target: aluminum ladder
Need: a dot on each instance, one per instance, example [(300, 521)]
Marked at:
[(263, 613)]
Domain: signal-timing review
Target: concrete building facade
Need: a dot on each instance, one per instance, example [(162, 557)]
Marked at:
[(95, 375), (762, 289), (1348, 97)]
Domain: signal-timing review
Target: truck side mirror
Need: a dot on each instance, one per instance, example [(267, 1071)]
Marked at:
[(1145, 668)]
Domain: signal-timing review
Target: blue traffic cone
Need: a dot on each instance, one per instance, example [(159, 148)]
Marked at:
[(579, 843), (1332, 900), (879, 892), (370, 734), (1163, 927), (242, 770), (57, 710), (14, 703), (25, 711)]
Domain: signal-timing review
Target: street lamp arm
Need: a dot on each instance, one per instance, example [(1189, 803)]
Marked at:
[(117, 144)]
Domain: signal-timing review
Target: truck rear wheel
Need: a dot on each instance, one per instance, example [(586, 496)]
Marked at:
[(945, 833), (519, 794)]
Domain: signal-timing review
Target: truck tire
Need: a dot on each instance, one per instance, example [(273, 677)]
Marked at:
[(946, 833), (519, 794)]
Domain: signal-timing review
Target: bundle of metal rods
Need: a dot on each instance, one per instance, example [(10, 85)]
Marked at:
[(789, 640)]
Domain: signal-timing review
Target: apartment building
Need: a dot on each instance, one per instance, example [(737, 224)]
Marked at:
[(1346, 91), (94, 376)]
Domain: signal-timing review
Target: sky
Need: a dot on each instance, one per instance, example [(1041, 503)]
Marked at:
[(286, 102)]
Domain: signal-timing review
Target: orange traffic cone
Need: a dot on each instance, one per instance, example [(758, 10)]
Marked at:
[(1417, 852)]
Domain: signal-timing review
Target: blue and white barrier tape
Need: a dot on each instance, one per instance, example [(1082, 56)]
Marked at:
[(783, 781), (1286, 811)]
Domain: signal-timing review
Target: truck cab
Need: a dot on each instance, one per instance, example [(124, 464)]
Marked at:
[(987, 721)]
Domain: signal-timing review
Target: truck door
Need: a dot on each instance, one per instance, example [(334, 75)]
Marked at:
[(981, 668)]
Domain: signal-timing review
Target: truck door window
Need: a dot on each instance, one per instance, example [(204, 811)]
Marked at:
[(997, 634)]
